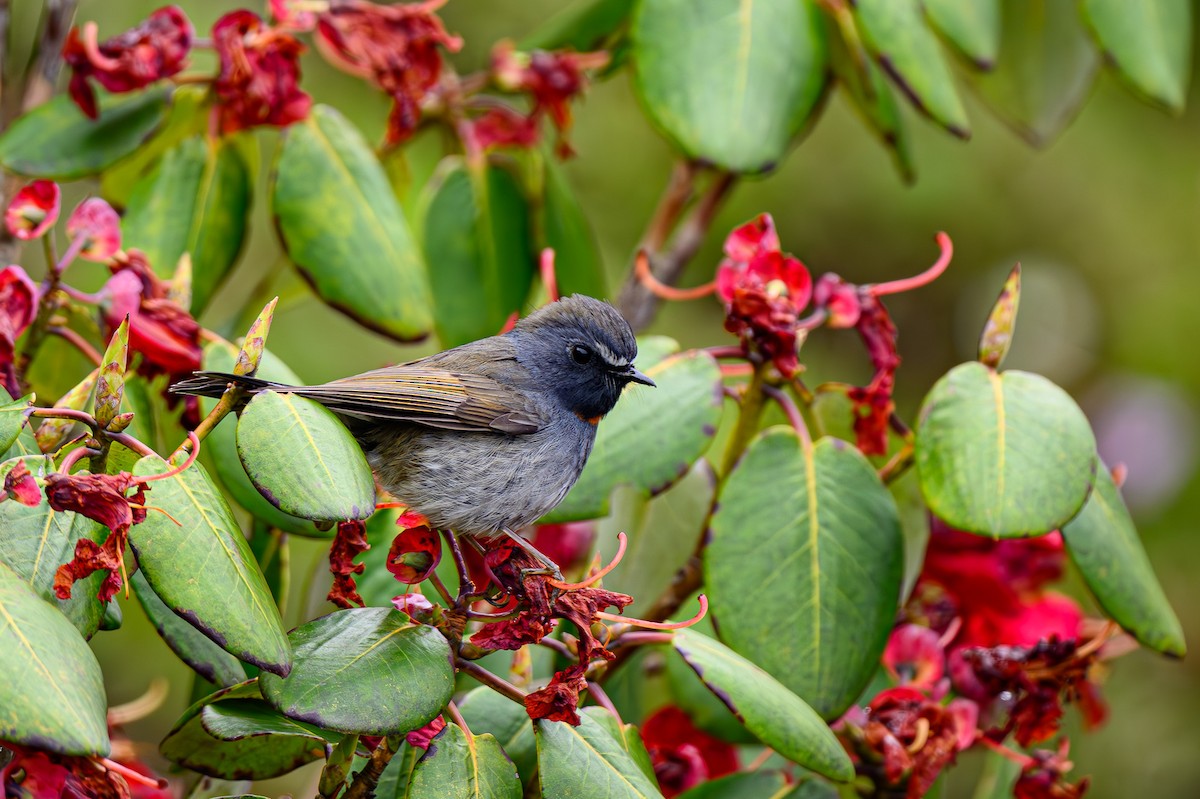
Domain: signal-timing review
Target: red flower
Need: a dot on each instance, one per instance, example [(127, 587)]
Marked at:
[(164, 333), (580, 607), (100, 497), (684, 755), (415, 553), (552, 78), (764, 291), (873, 404), (559, 700), (260, 70), (527, 628), (423, 736), (417, 606), (914, 657), (350, 541), (1044, 777), (395, 47), (18, 305), (20, 485), (567, 544), (34, 774), (503, 126), (33, 210), (97, 228), (156, 49), (840, 300)]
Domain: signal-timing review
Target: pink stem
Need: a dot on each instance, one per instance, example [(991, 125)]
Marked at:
[(791, 411), (549, 280), (191, 458), (622, 542), (71, 254), (78, 341), (74, 456), (641, 267), (130, 775), (660, 625), (928, 276)]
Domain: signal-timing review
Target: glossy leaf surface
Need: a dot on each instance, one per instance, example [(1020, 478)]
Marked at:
[(462, 766), (588, 761)]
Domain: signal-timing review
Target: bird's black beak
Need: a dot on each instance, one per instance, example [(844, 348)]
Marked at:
[(634, 376)]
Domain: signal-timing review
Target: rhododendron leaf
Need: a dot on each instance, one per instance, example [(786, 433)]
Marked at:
[(477, 244), (252, 757), (221, 446), (55, 140), (896, 33), (37, 540), (342, 226), (303, 460), (914, 523), (588, 761), (1005, 454), (193, 647), (972, 26), (199, 553), (730, 82), (52, 695), (364, 670), (625, 734), (778, 717), (581, 27), (653, 436), (578, 266), (703, 707), (1047, 40), (236, 719), (1150, 45), (487, 711), (458, 764), (803, 565), (1104, 545), (12, 420), (195, 201), (735, 786)]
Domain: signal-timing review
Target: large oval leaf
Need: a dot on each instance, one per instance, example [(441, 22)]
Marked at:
[(1105, 547), (775, 715), (477, 245), (652, 437), (896, 32), (588, 761), (1005, 454), (729, 81), (972, 26), (803, 566), (37, 540), (1046, 67), (1149, 43), (198, 562), (343, 228), (577, 262), (55, 140), (303, 460), (194, 201), (459, 764), (484, 710), (193, 647), (52, 694), (365, 670), (235, 751), (12, 420)]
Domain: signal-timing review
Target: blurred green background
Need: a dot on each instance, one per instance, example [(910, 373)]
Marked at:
[(1104, 222)]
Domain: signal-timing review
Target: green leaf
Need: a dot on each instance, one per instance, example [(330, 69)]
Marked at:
[(1046, 67), (896, 33), (303, 460), (364, 670), (458, 764), (199, 554), (914, 523), (194, 648), (577, 262), (972, 26), (588, 761), (487, 711), (52, 694), (803, 565), (342, 226), (737, 786), (778, 717), (1149, 43), (625, 734), (194, 201), (251, 757), (581, 27), (1003, 454), (652, 437), (36, 541), (730, 82), (477, 244), (221, 446), (1104, 545), (13, 422), (56, 141), (237, 719)]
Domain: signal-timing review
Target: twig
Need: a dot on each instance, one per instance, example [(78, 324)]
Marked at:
[(465, 586), (365, 780), (792, 412), (453, 712), (493, 681), (79, 342)]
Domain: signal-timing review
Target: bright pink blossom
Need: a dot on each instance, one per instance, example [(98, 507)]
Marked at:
[(33, 210), (100, 227)]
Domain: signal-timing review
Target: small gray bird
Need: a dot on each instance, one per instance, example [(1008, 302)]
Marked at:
[(487, 437)]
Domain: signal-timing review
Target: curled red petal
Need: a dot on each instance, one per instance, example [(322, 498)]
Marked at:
[(559, 700), (349, 542), (100, 227), (414, 554), (33, 209), (258, 81)]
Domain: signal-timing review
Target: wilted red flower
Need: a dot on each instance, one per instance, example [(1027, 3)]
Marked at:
[(1044, 776), (166, 335), (559, 700), (18, 306), (684, 755), (580, 607), (423, 736), (551, 78), (100, 497), (95, 230), (914, 657), (154, 50), (350, 541), (33, 210), (393, 46), (415, 553), (764, 291), (839, 299), (20, 485), (873, 403), (34, 774), (260, 73), (527, 628), (502, 126)]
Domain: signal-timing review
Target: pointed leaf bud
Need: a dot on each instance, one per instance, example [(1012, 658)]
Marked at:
[(110, 386), (256, 341), (998, 332), (120, 422)]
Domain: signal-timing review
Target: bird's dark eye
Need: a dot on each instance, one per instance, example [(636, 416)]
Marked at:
[(580, 354)]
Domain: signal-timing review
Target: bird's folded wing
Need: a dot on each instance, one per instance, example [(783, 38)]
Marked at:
[(432, 397)]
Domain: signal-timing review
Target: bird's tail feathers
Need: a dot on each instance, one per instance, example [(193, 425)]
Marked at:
[(213, 384)]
